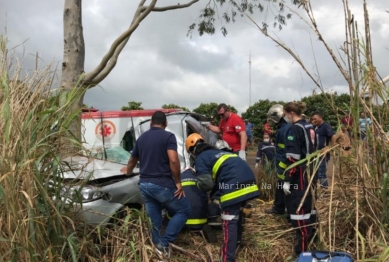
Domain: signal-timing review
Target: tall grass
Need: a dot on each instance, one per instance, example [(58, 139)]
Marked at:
[(33, 227), (35, 223)]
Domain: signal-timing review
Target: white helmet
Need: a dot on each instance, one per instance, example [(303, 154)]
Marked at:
[(222, 145), (275, 113)]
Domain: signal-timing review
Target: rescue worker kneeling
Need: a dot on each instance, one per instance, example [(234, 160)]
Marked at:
[(198, 200), (228, 174)]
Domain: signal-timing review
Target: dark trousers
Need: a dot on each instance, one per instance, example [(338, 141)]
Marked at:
[(232, 231), (214, 209), (279, 198), (302, 220)]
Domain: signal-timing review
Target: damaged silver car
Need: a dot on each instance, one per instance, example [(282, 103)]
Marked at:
[(104, 190)]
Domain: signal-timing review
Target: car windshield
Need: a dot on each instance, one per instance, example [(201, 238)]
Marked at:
[(115, 154)]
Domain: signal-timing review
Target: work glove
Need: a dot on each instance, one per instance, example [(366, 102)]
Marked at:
[(205, 182), (286, 188), (256, 166), (242, 155)]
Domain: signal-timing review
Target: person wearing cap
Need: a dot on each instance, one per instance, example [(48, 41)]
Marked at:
[(232, 129), (226, 173)]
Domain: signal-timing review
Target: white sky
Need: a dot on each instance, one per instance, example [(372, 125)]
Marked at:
[(160, 64)]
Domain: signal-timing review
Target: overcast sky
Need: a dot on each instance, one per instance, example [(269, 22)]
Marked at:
[(160, 64)]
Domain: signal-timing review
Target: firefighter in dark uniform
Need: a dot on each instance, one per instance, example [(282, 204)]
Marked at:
[(199, 205), (226, 173), (299, 144), (198, 200), (275, 116), (265, 153)]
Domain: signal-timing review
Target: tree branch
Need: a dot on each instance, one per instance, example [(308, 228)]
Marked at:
[(286, 49), (173, 7), (108, 62)]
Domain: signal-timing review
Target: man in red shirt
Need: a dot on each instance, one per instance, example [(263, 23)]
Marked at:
[(231, 127)]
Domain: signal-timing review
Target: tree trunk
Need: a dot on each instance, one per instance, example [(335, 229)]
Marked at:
[(73, 58)]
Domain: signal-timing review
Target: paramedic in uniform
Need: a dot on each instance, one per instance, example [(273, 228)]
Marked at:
[(233, 130), (299, 144), (224, 172)]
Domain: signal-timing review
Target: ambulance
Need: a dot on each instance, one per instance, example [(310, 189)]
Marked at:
[(109, 138), (110, 129)]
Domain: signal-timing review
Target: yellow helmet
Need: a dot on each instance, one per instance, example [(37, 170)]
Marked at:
[(192, 140)]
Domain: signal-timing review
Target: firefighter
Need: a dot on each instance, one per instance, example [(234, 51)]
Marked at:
[(265, 153), (226, 173), (199, 205), (301, 141), (214, 205), (275, 116)]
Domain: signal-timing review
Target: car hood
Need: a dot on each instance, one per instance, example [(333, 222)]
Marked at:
[(81, 167)]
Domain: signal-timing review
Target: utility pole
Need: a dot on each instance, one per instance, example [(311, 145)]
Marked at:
[(250, 79)]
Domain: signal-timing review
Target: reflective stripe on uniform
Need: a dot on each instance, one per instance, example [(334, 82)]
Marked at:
[(198, 221), (219, 162), (281, 145), (313, 212), (300, 217), (281, 176), (239, 193), (282, 165), (295, 156), (306, 136), (195, 221), (188, 183), (229, 217)]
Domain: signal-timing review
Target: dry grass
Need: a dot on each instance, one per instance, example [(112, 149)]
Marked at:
[(34, 227)]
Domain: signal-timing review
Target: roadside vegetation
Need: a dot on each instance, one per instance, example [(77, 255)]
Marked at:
[(35, 225)]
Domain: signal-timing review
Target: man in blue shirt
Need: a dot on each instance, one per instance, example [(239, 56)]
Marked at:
[(325, 136), (364, 122), (249, 132), (160, 182)]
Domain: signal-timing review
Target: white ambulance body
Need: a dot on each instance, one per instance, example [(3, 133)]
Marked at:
[(113, 128)]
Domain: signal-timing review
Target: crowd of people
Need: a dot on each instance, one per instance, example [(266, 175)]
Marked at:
[(220, 182)]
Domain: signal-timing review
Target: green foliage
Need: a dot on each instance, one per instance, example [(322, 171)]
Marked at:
[(132, 105), (210, 111), (257, 114), (227, 11), (168, 106)]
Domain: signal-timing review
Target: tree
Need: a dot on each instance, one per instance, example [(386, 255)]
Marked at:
[(210, 111), (257, 115), (133, 106), (167, 106), (73, 71)]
